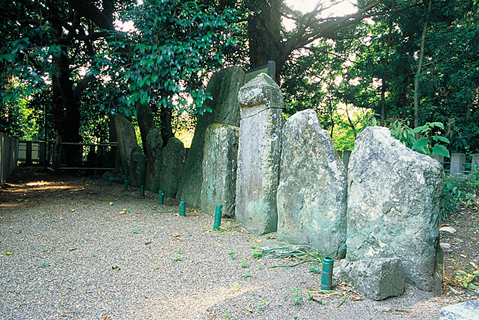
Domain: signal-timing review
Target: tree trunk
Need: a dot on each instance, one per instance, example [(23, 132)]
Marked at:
[(385, 64), (419, 68), (66, 110), (264, 31), (146, 122), (166, 128)]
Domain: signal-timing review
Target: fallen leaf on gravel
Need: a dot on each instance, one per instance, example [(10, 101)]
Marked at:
[(249, 309), (66, 316), (107, 317), (177, 237), (316, 299), (117, 268), (72, 249), (18, 232), (137, 212), (356, 299), (8, 253), (147, 243)]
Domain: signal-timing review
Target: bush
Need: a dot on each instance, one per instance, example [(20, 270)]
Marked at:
[(460, 189)]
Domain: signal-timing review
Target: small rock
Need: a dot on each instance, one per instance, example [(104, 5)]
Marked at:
[(382, 309), (445, 245), (450, 230)]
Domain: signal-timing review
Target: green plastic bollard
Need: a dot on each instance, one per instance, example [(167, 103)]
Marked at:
[(160, 197), (182, 209), (217, 223), (110, 181), (126, 185), (327, 274), (142, 191)]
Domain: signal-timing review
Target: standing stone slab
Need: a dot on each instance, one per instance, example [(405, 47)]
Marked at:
[(138, 165), (259, 155), (223, 87), (312, 191), (154, 143), (393, 207), (126, 138), (219, 169), (376, 278), (172, 162)]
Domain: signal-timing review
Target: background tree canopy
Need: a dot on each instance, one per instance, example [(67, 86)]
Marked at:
[(403, 62)]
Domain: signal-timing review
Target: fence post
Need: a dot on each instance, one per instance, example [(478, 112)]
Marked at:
[(346, 155), (439, 158), (458, 161), (57, 156), (28, 153), (475, 161)]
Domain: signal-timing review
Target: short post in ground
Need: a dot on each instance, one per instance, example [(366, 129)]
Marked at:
[(160, 197), (182, 208), (217, 223), (327, 274)]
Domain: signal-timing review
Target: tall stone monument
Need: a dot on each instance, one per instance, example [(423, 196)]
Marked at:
[(312, 190), (219, 169), (172, 162), (224, 87), (393, 208), (126, 138), (259, 154)]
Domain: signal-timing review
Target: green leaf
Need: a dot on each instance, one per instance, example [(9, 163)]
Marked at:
[(441, 138), (421, 143), (440, 150), (437, 125), (417, 130)]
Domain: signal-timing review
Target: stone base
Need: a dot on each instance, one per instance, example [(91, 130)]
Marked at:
[(461, 311), (377, 279)]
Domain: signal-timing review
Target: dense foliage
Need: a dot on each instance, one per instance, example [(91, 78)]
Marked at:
[(409, 63), (386, 65), (165, 59)]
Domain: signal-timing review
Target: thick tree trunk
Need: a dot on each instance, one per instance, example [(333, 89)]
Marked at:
[(166, 128), (146, 122), (419, 69), (264, 31), (66, 110), (385, 64)]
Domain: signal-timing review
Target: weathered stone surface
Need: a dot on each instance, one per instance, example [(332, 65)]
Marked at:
[(126, 138), (259, 155), (173, 159), (377, 279), (461, 311), (312, 191), (154, 143), (393, 207), (223, 87), (219, 169), (137, 170)]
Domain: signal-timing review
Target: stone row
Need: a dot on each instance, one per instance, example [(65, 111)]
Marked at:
[(381, 214)]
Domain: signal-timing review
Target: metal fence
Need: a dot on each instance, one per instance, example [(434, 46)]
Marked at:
[(458, 163), (8, 156)]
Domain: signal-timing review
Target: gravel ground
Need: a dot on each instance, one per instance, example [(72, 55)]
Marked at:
[(74, 247)]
